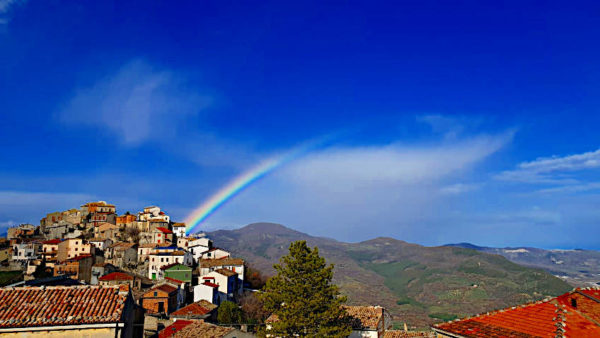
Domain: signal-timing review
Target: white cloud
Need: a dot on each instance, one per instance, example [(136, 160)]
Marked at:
[(554, 170), (458, 188), (138, 103), (363, 192)]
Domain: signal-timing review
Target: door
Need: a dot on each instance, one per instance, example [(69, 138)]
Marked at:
[(161, 307)]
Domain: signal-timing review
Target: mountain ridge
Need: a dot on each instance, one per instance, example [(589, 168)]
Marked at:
[(419, 285)]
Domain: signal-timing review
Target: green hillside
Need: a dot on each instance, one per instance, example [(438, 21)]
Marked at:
[(419, 285)]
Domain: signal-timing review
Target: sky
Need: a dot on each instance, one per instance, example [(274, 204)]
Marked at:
[(445, 121)]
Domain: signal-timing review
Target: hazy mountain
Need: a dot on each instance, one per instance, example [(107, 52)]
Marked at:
[(578, 267), (416, 283)]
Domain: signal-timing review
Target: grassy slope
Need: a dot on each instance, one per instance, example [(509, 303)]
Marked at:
[(417, 284)]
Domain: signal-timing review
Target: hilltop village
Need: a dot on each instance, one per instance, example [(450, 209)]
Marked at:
[(130, 275)]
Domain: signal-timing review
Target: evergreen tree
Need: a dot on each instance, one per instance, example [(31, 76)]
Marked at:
[(229, 313), (303, 298)]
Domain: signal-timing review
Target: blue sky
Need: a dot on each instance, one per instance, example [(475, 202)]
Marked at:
[(454, 122)]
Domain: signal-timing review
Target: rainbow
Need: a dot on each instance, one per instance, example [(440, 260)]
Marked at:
[(238, 184)]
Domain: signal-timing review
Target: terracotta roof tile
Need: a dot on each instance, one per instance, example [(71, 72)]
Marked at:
[(116, 276), (200, 308), (170, 330), (407, 334), (174, 280), (573, 314), (198, 329), (60, 305), (164, 230), (366, 317), (212, 285)]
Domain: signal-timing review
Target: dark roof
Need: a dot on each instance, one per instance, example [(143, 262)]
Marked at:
[(61, 305), (209, 263), (116, 276)]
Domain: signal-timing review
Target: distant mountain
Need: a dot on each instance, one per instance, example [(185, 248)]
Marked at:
[(418, 284), (578, 267)]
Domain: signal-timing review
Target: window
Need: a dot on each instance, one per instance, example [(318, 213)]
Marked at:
[(155, 294)]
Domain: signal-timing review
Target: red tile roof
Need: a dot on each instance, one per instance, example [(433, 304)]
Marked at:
[(166, 288), (574, 314), (200, 308), (164, 230), (174, 280), (60, 305), (212, 285), (170, 330), (52, 241), (113, 276)]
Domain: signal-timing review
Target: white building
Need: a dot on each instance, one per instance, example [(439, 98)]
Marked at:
[(207, 291), (23, 252), (162, 256), (215, 253), (100, 243), (226, 280), (153, 212), (196, 245), (206, 266), (179, 230)]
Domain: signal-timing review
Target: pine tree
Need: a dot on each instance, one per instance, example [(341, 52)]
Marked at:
[(303, 297)]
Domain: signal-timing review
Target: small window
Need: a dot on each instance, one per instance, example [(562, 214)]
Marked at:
[(155, 294)]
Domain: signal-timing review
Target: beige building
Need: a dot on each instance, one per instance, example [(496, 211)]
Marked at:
[(71, 248)]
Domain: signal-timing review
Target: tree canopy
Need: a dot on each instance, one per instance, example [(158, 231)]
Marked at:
[(303, 297)]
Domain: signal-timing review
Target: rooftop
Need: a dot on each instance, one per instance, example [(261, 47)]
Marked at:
[(116, 276), (209, 263), (52, 241), (200, 308), (198, 329), (226, 272), (164, 230), (365, 317), (60, 305), (573, 314)]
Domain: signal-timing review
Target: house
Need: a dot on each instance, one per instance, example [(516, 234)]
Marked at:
[(79, 268), (179, 229), (369, 321), (196, 245), (163, 256), (74, 247), (117, 278), (107, 230), (99, 212), (144, 250), (100, 243), (197, 310), (226, 280), (21, 231), (207, 291), (161, 299), (177, 271), (215, 253), (126, 220), (67, 311), (50, 251), (122, 254), (573, 314), (201, 329), (23, 252), (162, 235), (99, 270), (155, 223), (234, 264), (153, 212)]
